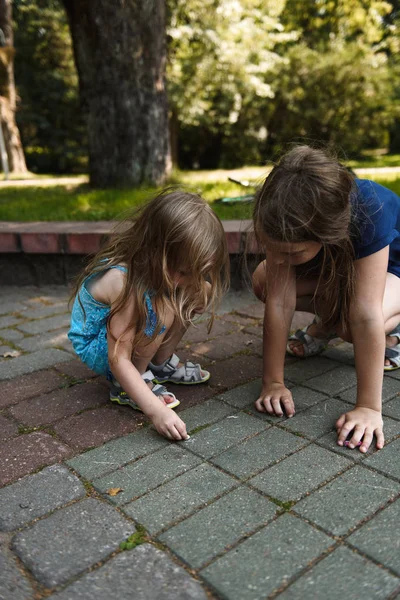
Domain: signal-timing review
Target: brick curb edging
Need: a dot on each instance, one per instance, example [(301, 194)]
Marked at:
[(70, 237)]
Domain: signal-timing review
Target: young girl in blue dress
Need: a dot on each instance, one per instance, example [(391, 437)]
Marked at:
[(136, 298), (332, 246)]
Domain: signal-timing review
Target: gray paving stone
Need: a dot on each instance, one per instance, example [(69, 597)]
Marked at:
[(10, 306), (144, 573), (45, 310), (32, 362), (13, 584), (46, 324), (391, 387), (243, 395), (225, 433), (387, 459), (11, 335), (71, 540), (380, 537), (258, 452), (343, 503), (300, 473), (179, 497), (36, 495), (343, 574), (9, 321), (392, 408), (395, 374), (343, 352), (318, 419), (265, 561), (207, 533), (304, 369), (205, 413), (115, 454), (335, 381), (147, 473), (51, 339)]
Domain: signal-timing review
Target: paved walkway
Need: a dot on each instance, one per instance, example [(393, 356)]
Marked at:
[(95, 504)]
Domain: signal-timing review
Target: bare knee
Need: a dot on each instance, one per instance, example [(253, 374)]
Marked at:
[(259, 281)]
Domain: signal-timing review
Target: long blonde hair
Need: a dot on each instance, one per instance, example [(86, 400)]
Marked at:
[(175, 231), (306, 197)]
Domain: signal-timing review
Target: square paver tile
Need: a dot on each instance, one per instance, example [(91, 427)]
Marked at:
[(114, 454), (13, 584), (220, 436), (147, 473), (71, 540), (300, 473), (318, 419), (208, 532), (392, 408), (179, 497), (206, 413), (387, 459), (349, 499), (144, 573), (335, 381), (390, 389), (305, 369), (266, 560), (343, 574), (243, 395), (36, 495), (380, 537), (258, 452)]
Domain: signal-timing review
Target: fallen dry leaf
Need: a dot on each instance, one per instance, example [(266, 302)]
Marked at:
[(11, 354), (114, 491)]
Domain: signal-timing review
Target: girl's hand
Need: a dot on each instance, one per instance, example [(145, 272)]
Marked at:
[(169, 424), (364, 423), (275, 399)]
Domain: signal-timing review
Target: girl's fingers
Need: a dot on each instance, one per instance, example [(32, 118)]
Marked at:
[(367, 440), (357, 436), (380, 439), (181, 427), (344, 432), (340, 422), (276, 406), (266, 404), (260, 406), (289, 406)]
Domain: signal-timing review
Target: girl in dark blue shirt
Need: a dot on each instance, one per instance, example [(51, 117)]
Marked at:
[(332, 245)]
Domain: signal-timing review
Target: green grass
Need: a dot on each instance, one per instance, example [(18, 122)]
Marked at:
[(81, 203)]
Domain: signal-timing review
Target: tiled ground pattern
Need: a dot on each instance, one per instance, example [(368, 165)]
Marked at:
[(251, 507)]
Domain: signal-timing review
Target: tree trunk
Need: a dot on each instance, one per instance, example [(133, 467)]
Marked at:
[(120, 53), (15, 153)]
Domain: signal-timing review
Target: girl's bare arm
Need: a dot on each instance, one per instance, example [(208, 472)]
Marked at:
[(367, 328), (164, 419), (280, 304)]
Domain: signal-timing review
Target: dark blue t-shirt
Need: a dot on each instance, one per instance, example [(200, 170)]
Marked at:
[(376, 218)]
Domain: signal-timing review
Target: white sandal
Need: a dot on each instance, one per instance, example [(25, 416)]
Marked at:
[(118, 395), (393, 353), (312, 346), (188, 374)]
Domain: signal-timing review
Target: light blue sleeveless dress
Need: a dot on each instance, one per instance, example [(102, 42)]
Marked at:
[(88, 330)]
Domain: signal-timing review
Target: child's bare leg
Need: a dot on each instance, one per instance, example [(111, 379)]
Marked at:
[(305, 302), (391, 309)]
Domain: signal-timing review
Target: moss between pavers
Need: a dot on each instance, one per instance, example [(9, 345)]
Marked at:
[(199, 428), (24, 429), (285, 505), (139, 537)]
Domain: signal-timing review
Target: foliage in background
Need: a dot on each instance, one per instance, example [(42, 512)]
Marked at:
[(245, 77), (81, 203), (49, 116)]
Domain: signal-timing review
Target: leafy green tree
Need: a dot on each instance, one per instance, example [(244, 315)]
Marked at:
[(50, 117)]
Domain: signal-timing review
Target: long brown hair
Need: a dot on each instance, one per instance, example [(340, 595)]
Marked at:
[(175, 231), (306, 197)]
